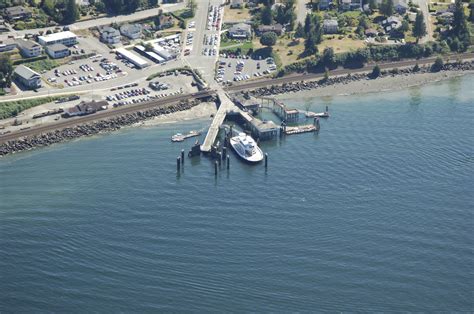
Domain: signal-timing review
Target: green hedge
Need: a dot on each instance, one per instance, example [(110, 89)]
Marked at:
[(21, 61)]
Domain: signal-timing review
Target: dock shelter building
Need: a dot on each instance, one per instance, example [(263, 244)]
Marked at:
[(288, 115), (131, 57)]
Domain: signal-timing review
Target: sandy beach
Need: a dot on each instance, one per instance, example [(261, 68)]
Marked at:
[(202, 111), (389, 83)]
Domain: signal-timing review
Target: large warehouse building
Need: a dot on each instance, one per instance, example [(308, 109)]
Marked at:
[(131, 57)]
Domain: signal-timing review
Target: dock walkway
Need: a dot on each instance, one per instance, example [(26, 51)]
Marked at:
[(226, 105)]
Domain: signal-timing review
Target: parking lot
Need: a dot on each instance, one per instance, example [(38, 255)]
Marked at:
[(85, 71), (235, 69), (160, 87)]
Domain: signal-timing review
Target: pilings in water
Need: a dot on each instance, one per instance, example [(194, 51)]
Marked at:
[(178, 164), (266, 160), (316, 124), (215, 168), (228, 162), (182, 156)]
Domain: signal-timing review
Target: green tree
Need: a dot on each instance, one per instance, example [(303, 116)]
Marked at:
[(267, 16), (192, 7), (71, 13), (375, 72), (6, 70), (387, 7), (437, 65), (307, 24), (329, 58), (419, 29), (372, 5), (299, 33), (310, 43), (269, 39)]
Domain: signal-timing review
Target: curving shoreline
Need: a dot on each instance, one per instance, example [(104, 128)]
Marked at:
[(89, 129), (341, 85)]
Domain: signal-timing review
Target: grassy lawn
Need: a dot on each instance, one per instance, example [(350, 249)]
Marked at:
[(43, 65), (236, 15), (232, 46), (341, 45)]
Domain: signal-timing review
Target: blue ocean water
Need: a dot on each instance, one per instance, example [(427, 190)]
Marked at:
[(373, 214)]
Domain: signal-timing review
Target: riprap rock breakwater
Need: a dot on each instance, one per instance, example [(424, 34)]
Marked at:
[(88, 129)]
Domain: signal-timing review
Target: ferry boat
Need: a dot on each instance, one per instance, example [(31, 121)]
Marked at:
[(245, 146)]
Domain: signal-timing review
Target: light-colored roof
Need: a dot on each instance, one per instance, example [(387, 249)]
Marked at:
[(109, 30), (132, 57), (330, 23), (25, 72), (240, 27), (57, 36), (17, 10)]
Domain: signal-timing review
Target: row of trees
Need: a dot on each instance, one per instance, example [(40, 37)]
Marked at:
[(459, 37), (62, 11)]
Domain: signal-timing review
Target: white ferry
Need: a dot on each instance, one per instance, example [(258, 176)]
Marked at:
[(245, 146)]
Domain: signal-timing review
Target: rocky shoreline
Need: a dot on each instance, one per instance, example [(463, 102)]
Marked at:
[(350, 78), (89, 129)]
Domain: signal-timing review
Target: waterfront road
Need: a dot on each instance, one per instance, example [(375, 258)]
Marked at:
[(235, 88)]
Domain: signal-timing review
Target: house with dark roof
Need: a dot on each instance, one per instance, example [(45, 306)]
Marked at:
[(85, 108), (165, 21), (27, 77), (17, 13), (28, 48), (276, 28), (57, 51)]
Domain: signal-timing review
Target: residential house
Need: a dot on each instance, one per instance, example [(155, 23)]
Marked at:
[(132, 31), (165, 21), (276, 28), (401, 6), (392, 23), (370, 32), (330, 27), (57, 51), (85, 108), (7, 45), (27, 77), (28, 48), (236, 4), (240, 31), (348, 5), (17, 13), (325, 4), (66, 38), (109, 35)]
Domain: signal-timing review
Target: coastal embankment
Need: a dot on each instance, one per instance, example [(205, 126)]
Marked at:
[(354, 83), (360, 83), (92, 128)]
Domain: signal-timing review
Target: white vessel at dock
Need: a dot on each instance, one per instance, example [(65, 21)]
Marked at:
[(244, 145)]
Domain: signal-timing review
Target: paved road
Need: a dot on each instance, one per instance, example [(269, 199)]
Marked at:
[(426, 14), (301, 11), (102, 21)]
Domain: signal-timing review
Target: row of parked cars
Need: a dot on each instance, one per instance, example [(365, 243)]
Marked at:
[(214, 17), (128, 93)]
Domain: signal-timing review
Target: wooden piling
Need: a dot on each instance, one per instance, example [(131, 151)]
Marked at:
[(219, 158), (215, 168), (182, 156), (228, 162), (178, 164), (266, 160), (224, 152)]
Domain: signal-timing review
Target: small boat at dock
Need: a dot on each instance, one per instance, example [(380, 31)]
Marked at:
[(179, 137), (310, 114)]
